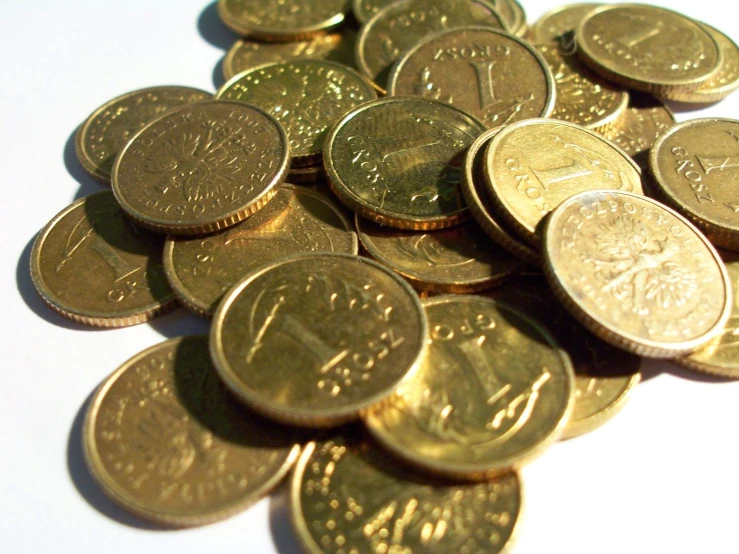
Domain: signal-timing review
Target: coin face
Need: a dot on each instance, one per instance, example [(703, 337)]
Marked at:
[(92, 265), (494, 391), (109, 128), (488, 73), (398, 161), (201, 167), (306, 96), (559, 24), (636, 273), (401, 25), (165, 440), (532, 166), (342, 476), (316, 339), (202, 269), (365, 9)]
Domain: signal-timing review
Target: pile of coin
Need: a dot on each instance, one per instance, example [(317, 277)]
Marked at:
[(488, 156)]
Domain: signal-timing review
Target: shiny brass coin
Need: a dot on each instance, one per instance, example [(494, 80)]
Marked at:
[(201, 167), (559, 24), (459, 259), (647, 48), (398, 161), (348, 497), (493, 392), (93, 266), (399, 26), (513, 15), (365, 9), (165, 440), (104, 133), (486, 72), (316, 339), (282, 21), (202, 269), (531, 166), (636, 273), (581, 96), (306, 96), (695, 166)]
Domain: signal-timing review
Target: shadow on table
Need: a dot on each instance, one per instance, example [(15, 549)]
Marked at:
[(213, 30), (178, 323), (664, 367), (283, 535), (88, 185)]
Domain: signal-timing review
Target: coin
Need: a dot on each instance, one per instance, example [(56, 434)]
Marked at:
[(306, 96), (202, 269), (104, 133), (282, 21), (486, 72), (93, 266), (310, 174), (365, 9), (316, 339), (164, 439), (533, 165), (647, 48), (513, 15), (636, 273), (695, 166), (347, 496), (400, 25), (398, 161), (493, 392), (201, 167), (559, 24)]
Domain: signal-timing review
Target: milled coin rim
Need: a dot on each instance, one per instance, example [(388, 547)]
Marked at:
[(118, 495)]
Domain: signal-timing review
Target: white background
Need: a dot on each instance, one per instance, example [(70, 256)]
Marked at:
[(661, 477)]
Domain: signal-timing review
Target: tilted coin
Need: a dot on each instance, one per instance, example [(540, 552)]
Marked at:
[(486, 72), (559, 24), (398, 161), (282, 21), (316, 339), (695, 166), (647, 48), (202, 269), (532, 166), (99, 139), (347, 496), (365, 9), (493, 392), (636, 273), (165, 440), (306, 96), (514, 16), (92, 265), (306, 175), (459, 259), (201, 167), (400, 25)]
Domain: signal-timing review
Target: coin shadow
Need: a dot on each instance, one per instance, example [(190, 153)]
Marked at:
[(213, 30), (178, 323), (87, 185), (283, 535), (665, 367), (684, 107), (218, 79)]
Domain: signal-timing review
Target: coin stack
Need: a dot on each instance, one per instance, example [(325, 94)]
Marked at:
[(468, 155)]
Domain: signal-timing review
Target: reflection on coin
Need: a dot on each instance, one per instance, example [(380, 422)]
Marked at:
[(347, 496), (109, 128), (164, 439), (559, 25), (493, 392), (316, 339), (92, 265), (365, 9), (636, 273), (201, 167)]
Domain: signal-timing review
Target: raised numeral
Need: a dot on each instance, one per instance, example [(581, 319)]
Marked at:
[(550, 177)]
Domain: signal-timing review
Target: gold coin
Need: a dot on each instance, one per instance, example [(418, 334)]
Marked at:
[(493, 392), (347, 496), (165, 440), (488, 73), (459, 259), (316, 339), (647, 48), (513, 15), (695, 166), (581, 96), (93, 266), (282, 21), (365, 9), (636, 273), (559, 24), (201, 167), (104, 133), (306, 175), (306, 96), (202, 269), (245, 54), (531, 166), (399, 26), (398, 161)]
